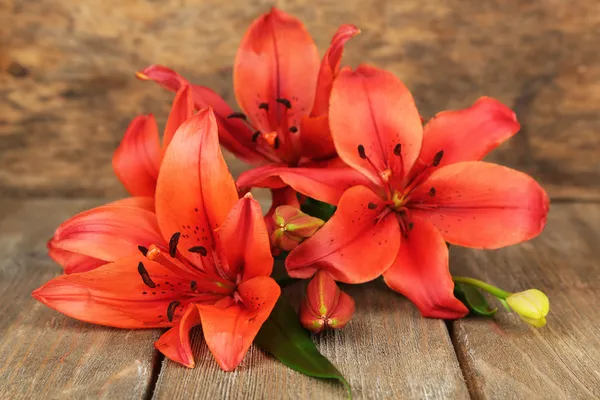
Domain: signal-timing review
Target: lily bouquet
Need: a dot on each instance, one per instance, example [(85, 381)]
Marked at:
[(361, 188)]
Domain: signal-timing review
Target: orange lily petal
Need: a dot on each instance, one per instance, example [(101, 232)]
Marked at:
[(420, 272), (482, 205), (330, 66), (468, 134), (340, 246), (277, 59), (181, 111), (146, 203), (175, 343), (103, 234), (165, 77), (324, 184), (137, 159), (229, 331), (73, 262), (316, 140), (114, 295), (202, 96), (234, 135), (246, 240), (375, 123), (195, 190)]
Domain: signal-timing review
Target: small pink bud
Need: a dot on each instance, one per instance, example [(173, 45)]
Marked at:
[(292, 226), (325, 305)]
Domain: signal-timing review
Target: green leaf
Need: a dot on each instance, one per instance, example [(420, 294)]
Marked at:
[(474, 300), (319, 209), (282, 336)]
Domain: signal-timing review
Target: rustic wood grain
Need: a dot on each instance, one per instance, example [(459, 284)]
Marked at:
[(67, 89), (506, 359), (44, 354), (387, 352)]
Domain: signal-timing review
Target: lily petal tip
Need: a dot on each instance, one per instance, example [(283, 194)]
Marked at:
[(36, 294), (141, 76)]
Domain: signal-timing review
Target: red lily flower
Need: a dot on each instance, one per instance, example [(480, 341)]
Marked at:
[(431, 189), (284, 96), (104, 234), (209, 261)]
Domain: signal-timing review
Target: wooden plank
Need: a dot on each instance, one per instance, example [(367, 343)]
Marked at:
[(504, 358), (387, 352), (68, 89), (44, 354)]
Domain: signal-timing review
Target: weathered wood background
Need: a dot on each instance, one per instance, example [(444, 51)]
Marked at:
[(67, 92)]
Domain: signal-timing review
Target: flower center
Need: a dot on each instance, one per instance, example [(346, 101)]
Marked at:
[(207, 283), (398, 200), (274, 129)]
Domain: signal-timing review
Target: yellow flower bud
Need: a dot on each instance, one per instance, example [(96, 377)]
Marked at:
[(532, 306)]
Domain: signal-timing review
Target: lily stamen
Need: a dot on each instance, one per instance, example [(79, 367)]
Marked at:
[(383, 214), (156, 255), (171, 309), (145, 276), (383, 173), (173, 242)]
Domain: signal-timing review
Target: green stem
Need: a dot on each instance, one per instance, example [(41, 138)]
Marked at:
[(493, 290)]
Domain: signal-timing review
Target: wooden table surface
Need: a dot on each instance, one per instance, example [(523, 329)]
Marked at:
[(67, 92)]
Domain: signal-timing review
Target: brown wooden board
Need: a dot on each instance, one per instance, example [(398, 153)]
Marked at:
[(67, 86), (503, 358), (45, 355), (388, 351)]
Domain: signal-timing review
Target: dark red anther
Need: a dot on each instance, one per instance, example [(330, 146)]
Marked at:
[(372, 206), (293, 129), (193, 286), (145, 276), (285, 102), (255, 136), (198, 249), (398, 149), (171, 309), (237, 115), (143, 250), (173, 244), (263, 106), (432, 192), (437, 158), (276, 143), (361, 151)]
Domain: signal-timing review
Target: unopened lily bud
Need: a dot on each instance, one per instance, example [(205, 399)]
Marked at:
[(532, 306), (292, 226), (325, 305)]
